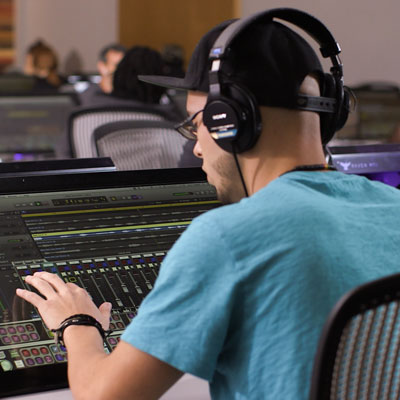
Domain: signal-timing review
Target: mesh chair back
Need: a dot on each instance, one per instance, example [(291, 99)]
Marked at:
[(359, 352), (83, 122), (140, 144)]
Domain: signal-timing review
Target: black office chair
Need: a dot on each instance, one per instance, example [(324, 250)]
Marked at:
[(140, 144), (359, 351)]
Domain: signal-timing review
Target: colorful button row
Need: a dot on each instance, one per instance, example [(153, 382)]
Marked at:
[(20, 338), (34, 351), (17, 329)]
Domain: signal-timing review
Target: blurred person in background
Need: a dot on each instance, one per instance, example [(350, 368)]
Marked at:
[(109, 57), (41, 62)]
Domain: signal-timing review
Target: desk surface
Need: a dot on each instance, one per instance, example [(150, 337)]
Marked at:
[(187, 388)]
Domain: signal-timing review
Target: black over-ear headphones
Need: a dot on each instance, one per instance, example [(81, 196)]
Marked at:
[(232, 115)]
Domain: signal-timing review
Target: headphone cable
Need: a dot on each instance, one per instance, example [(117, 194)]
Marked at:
[(239, 170)]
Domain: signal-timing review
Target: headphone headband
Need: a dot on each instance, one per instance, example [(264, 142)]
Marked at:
[(314, 27)]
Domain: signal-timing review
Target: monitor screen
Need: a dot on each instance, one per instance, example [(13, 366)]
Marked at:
[(35, 126), (376, 118), (380, 162), (107, 232)]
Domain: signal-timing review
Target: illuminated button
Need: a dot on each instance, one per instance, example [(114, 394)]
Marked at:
[(62, 348), (11, 330), (59, 357), (54, 348), (19, 364), (25, 337), (115, 317), (48, 359), (21, 329), (44, 350), (112, 341), (39, 360), (3, 331), (35, 352), (6, 365), (30, 362), (34, 336), (120, 325), (29, 327), (131, 315), (6, 340), (16, 339), (112, 326), (25, 353)]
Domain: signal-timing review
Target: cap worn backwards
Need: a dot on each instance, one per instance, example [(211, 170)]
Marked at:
[(267, 58)]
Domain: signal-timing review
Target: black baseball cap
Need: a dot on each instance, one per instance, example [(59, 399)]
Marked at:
[(267, 57)]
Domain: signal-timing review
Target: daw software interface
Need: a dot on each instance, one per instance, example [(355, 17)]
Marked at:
[(108, 240)]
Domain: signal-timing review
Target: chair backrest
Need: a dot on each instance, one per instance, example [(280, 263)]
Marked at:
[(358, 356), (84, 121), (140, 144)]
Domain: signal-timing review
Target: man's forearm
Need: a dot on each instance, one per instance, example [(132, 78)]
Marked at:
[(85, 358)]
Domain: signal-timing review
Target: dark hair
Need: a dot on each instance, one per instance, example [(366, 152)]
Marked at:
[(138, 60), (111, 47), (39, 49)]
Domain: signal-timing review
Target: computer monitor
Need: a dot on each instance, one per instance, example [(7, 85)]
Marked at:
[(57, 167), (107, 232), (380, 162), (376, 118), (35, 126)]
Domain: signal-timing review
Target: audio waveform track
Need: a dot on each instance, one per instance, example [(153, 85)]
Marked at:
[(98, 232)]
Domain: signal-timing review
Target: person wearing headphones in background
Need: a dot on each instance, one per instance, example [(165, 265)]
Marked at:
[(243, 294)]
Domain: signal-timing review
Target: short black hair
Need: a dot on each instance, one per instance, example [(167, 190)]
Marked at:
[(138, 60), (111, 47)]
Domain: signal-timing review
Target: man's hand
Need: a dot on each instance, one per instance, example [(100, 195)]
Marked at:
[(61, 300)]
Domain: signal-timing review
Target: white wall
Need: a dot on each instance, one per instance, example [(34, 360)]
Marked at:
[(367, 30), (75, 28)]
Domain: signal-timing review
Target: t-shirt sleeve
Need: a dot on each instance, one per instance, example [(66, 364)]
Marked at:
[(184, 319)]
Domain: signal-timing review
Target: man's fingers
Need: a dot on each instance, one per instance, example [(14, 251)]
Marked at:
[(52, 279), (41, 285), (105, 310), (30, 297)]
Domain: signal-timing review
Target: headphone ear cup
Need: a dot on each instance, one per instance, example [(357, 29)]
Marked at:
[(222, 119), (233, 120)]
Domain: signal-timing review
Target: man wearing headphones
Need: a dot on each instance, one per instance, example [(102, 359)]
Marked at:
[(243, 294)]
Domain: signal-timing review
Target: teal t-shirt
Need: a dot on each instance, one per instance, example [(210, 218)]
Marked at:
[(242, 296)]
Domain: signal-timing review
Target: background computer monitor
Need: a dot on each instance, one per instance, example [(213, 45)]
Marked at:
[(380, 162), (34, 126)]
